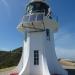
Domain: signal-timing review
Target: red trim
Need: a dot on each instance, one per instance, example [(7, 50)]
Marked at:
[(14, 74)]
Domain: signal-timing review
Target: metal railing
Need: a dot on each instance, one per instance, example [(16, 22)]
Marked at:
[(33, 17), (54, 16), (38, 17)]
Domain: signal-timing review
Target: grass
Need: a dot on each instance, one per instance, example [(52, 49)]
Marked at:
[(9, 59)]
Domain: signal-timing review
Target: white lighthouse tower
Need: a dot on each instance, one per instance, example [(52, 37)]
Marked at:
[(38, 55)]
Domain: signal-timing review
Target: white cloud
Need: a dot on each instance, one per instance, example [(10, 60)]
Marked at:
[(65, 44), (65, 39), (64, 53), (6, 5)]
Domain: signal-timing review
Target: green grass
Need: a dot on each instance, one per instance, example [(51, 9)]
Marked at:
[(9, 59)]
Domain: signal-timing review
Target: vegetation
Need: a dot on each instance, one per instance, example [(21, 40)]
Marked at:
[(10, 58)]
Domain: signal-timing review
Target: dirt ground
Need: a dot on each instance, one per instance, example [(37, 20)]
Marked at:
[(7, 71)]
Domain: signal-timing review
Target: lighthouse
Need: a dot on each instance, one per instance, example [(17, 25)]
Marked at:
[(38, 26)]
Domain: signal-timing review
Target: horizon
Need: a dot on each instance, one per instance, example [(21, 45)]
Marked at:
[(11, 13)]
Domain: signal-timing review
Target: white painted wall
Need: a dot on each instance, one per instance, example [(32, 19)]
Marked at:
[(48, 63)]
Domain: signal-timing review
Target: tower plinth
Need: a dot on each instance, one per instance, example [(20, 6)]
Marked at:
[(39, 57)]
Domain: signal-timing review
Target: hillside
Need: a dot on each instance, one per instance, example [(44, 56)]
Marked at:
[(67, 64), (10, 58)]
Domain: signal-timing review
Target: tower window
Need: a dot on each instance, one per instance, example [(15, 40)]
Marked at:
[(36, 57), (25, 36), (48, 34)]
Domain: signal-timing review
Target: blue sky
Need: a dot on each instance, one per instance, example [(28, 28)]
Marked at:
[(11, 12)]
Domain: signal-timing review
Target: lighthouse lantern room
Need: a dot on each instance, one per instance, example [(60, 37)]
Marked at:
[(38, 17)]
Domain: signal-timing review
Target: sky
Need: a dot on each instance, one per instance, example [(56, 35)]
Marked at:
[(12, 11)]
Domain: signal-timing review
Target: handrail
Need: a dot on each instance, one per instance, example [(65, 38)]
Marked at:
[(53, 16), (38, 17)]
